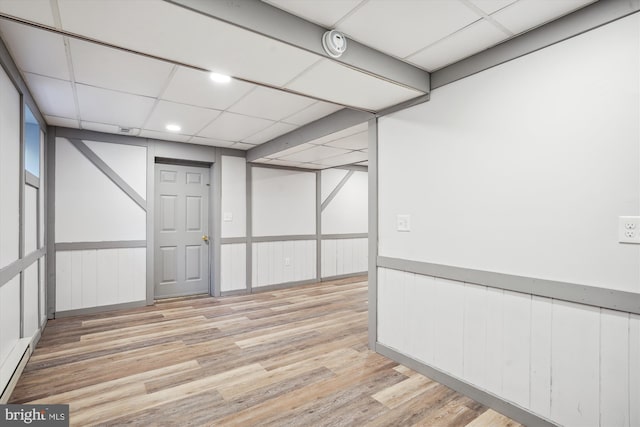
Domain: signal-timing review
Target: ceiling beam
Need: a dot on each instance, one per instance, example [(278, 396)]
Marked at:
[(269, 21), (327, 125)]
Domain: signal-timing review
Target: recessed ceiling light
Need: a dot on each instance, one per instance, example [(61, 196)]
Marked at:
[(173, 127), (220, 78)]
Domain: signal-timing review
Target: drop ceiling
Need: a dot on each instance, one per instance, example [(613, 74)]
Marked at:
[(138, 65)]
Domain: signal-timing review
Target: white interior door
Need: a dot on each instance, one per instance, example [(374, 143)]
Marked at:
[(181, 230)]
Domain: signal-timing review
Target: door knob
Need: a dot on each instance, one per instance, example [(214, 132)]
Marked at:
[(205, 237)]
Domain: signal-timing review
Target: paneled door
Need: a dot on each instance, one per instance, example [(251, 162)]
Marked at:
[(181, 230)]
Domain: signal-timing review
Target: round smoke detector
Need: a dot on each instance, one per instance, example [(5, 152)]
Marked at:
[(334, 43)]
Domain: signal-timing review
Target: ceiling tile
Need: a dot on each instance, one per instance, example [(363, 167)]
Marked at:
[(362, 127), (193, 38), (466, 42), (234, 127), (166, 136), (291, 150), (35, 11), (100, 127), (110, 68), (211, 142), (401, 27), (36, 51), (194, 87), (314, 154), (242, 146), (322, 12), (191, 119), (290, 164), (345, 159), (62, 122), (333, 81), (270, 133), (271, 104), (116, 108), (358, 141), (54, 97), (527, 14), (313, 112), (491, 6)]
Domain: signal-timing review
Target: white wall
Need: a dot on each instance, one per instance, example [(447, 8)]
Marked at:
[(347, 212), (233, 264), (89, 206), (344, 256), (283, 202), (283, 262), (234, 197), (521, 169)]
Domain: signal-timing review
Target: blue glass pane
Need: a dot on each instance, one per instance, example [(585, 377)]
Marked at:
[(31, 143)]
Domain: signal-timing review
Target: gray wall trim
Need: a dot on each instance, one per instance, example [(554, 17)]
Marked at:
[(583, 20), (215, 227), (336, 190), (277, 24), (249, 225), (12, 270), (259, 239), (357, 168), (284, 285), (31, 179), (180, 162), (22, 212), (373, 233), (85, 246), (318, 236), (284, 168), (406, 104), (233, 293), (224, 151), (100, 309), (232, 240), (50, 222), (327, 125), (5, 394), (494, 402), (100, 137), (110, 173), (150, 229), (346, 276), (612, 299), (345, 236)]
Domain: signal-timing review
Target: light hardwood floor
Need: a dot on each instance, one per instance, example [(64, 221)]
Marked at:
[(293, 357)]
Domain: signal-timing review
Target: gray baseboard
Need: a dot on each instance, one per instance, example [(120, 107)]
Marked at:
[(494, 402), (285, 285), (100, 309), (346, 276)]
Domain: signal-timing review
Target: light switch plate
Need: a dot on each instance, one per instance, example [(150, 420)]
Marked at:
[(629, 229), (403, 222), (227, 216)]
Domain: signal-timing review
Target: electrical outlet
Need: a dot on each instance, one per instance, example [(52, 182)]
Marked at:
[(287, 262), (403, 222), (629, 229)]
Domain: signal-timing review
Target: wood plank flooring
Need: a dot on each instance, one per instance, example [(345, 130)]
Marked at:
[(292, 357)]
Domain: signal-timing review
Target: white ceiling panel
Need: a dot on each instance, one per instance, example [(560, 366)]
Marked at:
[(313, 112), (111, 107), (322, 12), (211, 142), (62, 122), (314, 154), (189, 86), (145, 133), (292, 150), (234, 127), (526, 14), (101, 127), (270, 133), (110, 68), (32, 10), (330, 80), (359, 141), (466, 42), (191, 119), (242, 146), (491, 6), (286, 163), (402, 27), (271, 104), (311, 166), (362, 127), (193, 39), (54, 97), (36, 51), (344, 159)]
